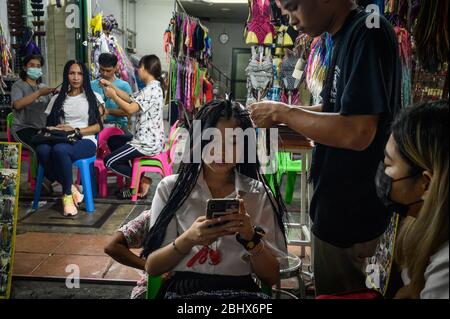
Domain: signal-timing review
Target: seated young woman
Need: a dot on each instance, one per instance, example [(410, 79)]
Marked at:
[(413, 181), (76, 108), (147, 137), (242, 244)]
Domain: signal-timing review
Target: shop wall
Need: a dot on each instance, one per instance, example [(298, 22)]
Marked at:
[(152, 19), (148, 18), (223, 53), (60, 45)]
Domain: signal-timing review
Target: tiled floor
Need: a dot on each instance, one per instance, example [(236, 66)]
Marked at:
[(48, 251), (54, 254)]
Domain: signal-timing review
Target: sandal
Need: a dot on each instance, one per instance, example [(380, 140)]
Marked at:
[(77, 196)]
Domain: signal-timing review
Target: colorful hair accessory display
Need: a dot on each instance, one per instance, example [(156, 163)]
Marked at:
[(318, 64), (104, 41)]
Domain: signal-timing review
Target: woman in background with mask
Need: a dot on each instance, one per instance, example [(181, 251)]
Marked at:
[(29, 100), (413, 181)]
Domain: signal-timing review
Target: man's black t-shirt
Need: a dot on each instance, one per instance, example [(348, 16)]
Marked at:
[(364, 79)]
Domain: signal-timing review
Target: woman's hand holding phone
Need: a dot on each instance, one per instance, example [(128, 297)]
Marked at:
[(239, 223), (201, 232)]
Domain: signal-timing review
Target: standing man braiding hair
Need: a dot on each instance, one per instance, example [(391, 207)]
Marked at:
[(350, 128)]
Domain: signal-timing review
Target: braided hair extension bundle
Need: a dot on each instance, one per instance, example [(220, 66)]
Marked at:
[(318, 63), (405, 47), (5, 56), (431, 34)]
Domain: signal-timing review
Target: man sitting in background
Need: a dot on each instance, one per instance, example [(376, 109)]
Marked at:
[(108, 67)]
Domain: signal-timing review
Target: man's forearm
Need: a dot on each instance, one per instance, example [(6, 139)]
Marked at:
[(313, 108), (331, 129)]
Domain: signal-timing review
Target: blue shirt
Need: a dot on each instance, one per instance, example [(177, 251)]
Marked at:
[(122, 121)]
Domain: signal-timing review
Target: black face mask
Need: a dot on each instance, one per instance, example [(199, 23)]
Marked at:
[(383, 184)]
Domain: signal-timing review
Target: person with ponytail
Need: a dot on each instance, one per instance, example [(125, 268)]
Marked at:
[(413, 181), (180, 234), (148, 138), (76, 108)]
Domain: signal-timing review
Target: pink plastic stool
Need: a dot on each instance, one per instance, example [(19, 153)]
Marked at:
[(165, 158), (102, 172)]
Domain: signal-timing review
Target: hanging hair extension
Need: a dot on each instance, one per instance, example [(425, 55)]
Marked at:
[(188, 173), (57, 115), (406, 60), (318, 64), (431, 34)]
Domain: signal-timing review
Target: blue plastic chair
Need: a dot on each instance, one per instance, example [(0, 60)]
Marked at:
[(86, 171)]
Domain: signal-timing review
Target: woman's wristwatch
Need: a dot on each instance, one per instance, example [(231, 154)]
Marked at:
[(258, 234)]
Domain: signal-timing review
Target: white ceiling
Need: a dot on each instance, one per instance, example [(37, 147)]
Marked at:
[(218, 12)]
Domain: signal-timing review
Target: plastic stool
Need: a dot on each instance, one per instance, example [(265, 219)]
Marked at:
[(290, 266), (86, 171)]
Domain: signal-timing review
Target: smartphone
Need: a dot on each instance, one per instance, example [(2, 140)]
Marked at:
[(221, 207)]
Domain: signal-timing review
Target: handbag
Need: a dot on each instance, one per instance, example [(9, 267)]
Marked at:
[(53, 137)]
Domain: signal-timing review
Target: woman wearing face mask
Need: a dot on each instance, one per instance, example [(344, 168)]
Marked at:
[(29, 100), (413, 181)]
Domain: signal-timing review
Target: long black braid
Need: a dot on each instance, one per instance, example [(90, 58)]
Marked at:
[(57, 114), (209, 115)]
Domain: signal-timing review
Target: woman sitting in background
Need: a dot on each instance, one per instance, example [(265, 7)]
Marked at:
[(75, 108), (148, 127), (29, 98), (413, 181)]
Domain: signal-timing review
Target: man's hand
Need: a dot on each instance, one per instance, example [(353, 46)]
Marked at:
[(266, 114)]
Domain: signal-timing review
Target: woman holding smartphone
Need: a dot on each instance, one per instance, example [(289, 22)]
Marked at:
[(209, 260)]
